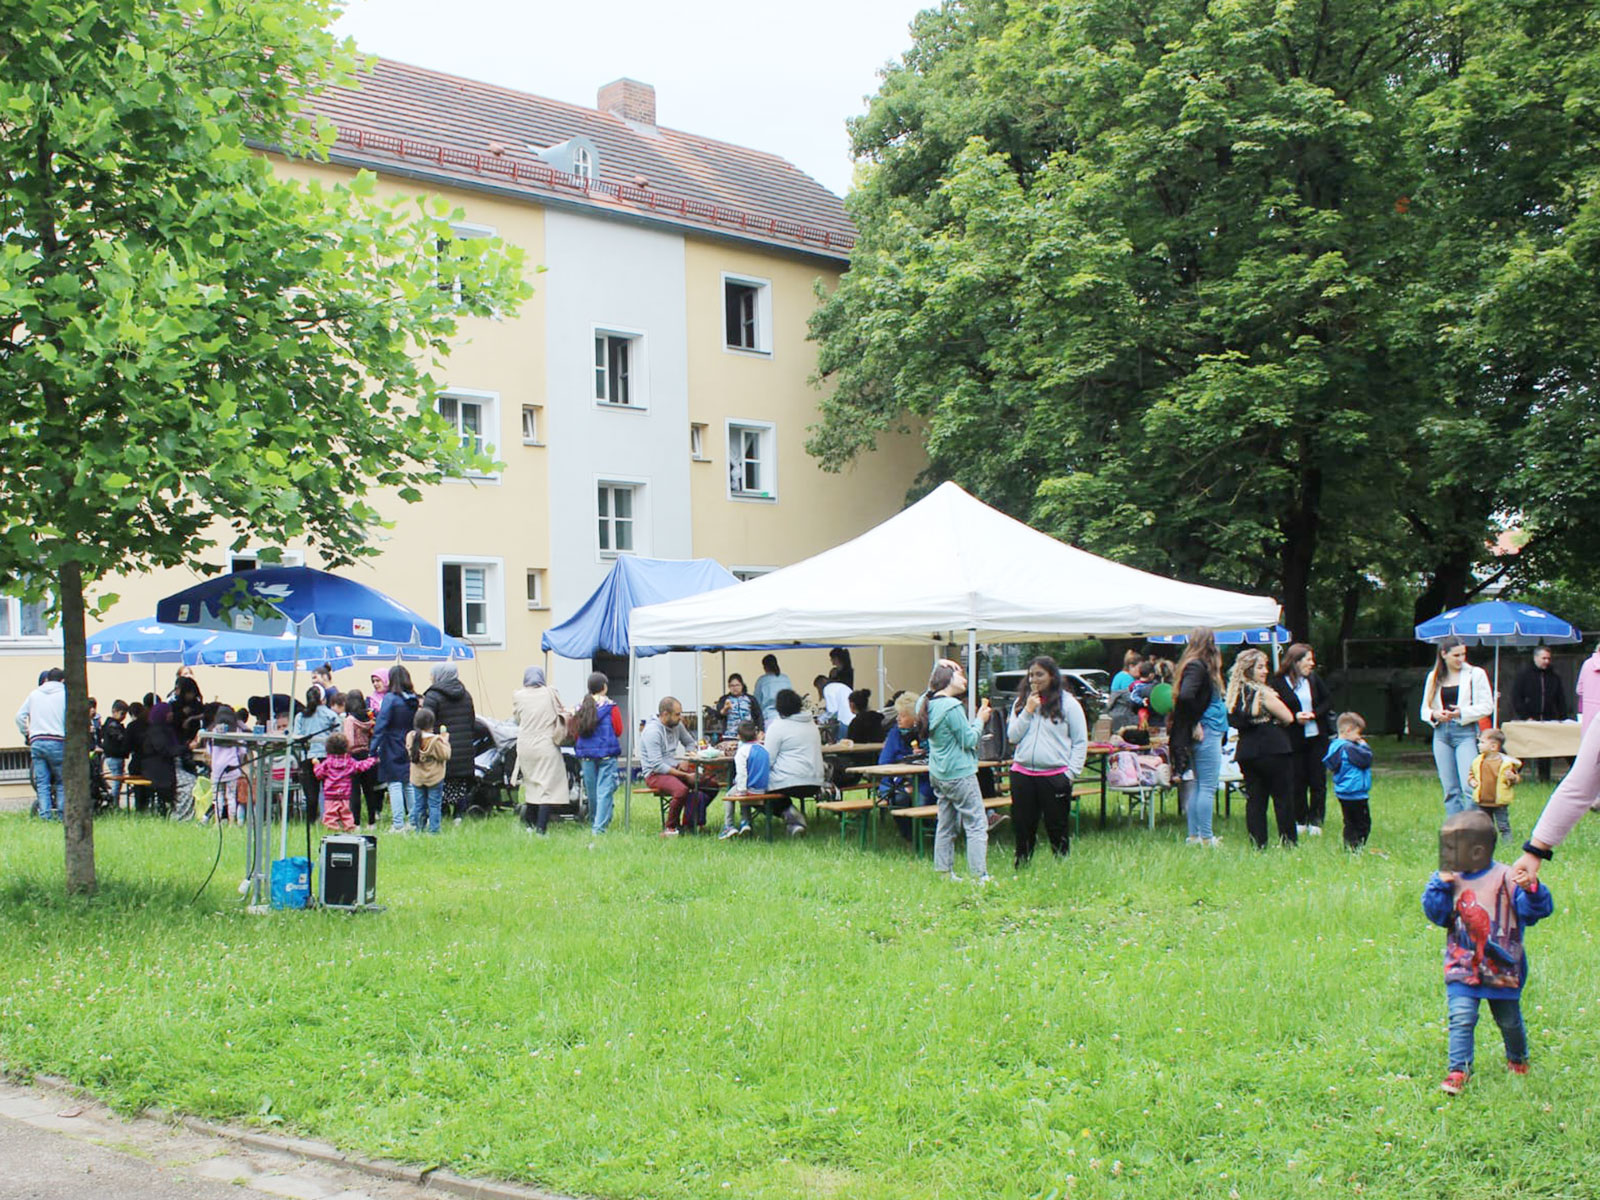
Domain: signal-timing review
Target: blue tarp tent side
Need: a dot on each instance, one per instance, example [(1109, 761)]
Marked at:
[(601, 625)]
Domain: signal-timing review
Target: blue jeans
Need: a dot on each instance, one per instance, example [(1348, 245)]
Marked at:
[(428, 805), (1200, 793), (402, 803), (1454, 748), (113, 766), (49, 755), (600, 781), (1464, 1018)]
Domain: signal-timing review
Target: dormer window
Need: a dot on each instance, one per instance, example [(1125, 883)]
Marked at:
[(577, 156)]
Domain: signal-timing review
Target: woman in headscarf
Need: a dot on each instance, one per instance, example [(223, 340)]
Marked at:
[(540, 723), (159, 749), (452, 707)]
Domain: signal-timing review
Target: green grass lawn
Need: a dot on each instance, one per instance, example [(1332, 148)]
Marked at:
[(697, 1019)]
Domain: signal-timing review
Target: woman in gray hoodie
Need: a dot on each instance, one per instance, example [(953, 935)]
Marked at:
[(1052, 742)]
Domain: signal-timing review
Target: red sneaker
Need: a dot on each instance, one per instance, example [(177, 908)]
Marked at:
[(1516, 1068), (1453, 1083)]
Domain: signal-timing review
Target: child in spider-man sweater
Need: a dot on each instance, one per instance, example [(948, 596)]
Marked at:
[(1484, 913)]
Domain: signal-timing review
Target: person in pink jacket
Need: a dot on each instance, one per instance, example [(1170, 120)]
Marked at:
[(1588, 688), (1575, 795), (337, 773)]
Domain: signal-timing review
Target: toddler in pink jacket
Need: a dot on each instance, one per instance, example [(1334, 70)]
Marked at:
[(337, 773)]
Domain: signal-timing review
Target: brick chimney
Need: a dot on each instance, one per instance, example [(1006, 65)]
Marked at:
[(630, 100)]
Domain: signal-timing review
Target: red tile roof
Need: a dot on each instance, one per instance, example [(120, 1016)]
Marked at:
[(450, 128)]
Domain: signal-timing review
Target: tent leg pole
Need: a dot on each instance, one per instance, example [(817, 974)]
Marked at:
[(627, 762), (883, 681)]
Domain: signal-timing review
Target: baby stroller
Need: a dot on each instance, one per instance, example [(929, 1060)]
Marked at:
[(494, 764)]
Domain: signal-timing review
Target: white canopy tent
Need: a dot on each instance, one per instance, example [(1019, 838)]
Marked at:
[(947, 564)]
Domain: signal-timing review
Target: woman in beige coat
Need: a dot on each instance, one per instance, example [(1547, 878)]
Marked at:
[(540, 724)]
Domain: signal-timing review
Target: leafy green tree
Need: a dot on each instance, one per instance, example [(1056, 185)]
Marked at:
[(1208, 280), (194, 340)]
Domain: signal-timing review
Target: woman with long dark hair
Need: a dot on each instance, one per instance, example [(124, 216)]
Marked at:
[(1307, 697), (396, 716), (599, 742), (1456, 696), (1047, 727), (314, 723), (1196, 728), (1264, 754)]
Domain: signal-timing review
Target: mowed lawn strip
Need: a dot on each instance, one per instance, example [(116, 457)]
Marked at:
[(699, 1018)]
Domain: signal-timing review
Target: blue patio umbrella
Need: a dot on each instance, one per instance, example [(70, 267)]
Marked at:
[(1270, 635), (145, 640), (1499, 623), (299, 600), (255, 652)]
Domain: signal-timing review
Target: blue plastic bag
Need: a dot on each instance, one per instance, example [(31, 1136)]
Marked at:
[(291, 882)]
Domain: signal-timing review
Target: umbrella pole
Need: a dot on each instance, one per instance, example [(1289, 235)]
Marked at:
[(627, 761), (972, 673), (883, 684), (1497, 683), (288, 758)]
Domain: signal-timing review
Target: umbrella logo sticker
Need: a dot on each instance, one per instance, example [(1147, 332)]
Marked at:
[(361, 627), (183, 612), (244, 622), (1485, 627)]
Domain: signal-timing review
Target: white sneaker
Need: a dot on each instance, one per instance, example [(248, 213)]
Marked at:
[(1300, 830), (986, 881), (952, 877), (1313, 831), (728, 831), (1213, 842), (1193, 840)]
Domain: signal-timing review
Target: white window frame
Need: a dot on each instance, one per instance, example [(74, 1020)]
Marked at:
[(582, 164), (763, 315), (697, 441), (767, 492), (494, 590), (640, 518), (537, 599), (13, 641), (489, 432), (460, 231), (638, 371), (536, 411)]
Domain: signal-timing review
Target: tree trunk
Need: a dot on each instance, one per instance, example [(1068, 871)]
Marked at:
[(1349, 609), (79, 815), (1300, 528), (1447, 587)]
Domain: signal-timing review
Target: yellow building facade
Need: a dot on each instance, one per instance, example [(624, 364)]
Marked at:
[(652, 397)]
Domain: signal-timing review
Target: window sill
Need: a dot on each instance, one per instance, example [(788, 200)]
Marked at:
[(526, 442), (21, 646), (747, 352), (538, 607), (753, 497), (607, 406), (471, 479), (700, 458)]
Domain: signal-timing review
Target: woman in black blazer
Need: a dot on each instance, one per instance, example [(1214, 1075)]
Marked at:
[(1307, 697)]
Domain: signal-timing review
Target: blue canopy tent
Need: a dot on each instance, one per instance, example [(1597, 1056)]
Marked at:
[(1498, 623), (601, 624)]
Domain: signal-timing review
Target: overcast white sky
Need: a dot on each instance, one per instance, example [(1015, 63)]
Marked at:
[(775, 77)]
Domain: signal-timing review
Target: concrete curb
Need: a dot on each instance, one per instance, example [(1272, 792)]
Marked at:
[(433, 1178)]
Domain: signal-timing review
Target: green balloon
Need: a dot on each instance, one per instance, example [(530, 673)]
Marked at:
[(1161, 698)]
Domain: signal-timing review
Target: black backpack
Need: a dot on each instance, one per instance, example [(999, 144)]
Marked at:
[(113, 739)]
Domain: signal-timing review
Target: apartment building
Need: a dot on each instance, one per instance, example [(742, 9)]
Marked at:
[(652, 397)]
